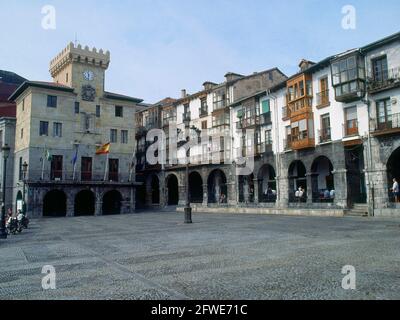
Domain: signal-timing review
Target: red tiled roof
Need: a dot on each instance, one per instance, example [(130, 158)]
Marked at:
[(8, 110)]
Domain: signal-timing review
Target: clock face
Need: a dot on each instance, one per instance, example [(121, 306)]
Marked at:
[(88, 75)]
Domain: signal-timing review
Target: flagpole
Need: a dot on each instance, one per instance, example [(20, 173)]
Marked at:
[(43, 159), (75, 161), (106, 167)]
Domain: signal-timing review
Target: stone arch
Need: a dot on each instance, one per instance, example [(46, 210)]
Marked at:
[(217, 187), (267, 184), (297, 175), (85, 203), (172, 187), (112, 203), (195, 187), (393, 171), (55, 204), (322, 180)]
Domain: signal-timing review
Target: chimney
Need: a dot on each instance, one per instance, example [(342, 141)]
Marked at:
[(184, 94), (208, 85), (305, 64)]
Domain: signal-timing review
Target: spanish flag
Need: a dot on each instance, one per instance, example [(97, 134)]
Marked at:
[(105, 149)]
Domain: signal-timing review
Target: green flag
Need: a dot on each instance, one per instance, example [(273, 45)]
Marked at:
[(48, 156)]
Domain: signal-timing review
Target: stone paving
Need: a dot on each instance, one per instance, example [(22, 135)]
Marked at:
[(155, 256)]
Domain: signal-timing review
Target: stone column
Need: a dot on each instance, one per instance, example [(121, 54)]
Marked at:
[(99, 204), (309, 188), (256, 191), (283, 191), (380, 186), (232, 196), (182, 195), (70, 204), (340, 180), (205, 195), (132, 200)]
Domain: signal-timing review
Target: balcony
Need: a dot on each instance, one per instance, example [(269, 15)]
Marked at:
[(77, 177), (350, 128), (302, 141), (386, 80), (300, 106), (324, 135), (285, 113), (323, 99), (386, 125), (203, 112), (250, 122), (265, 118)]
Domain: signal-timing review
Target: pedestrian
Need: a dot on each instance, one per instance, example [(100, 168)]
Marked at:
[(396, 190)]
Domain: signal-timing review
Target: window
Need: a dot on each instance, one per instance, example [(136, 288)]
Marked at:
[(351, 125), (77, 107), (380, 69), (98, 111), (44, 128), (384, 111), (113, 135), (56, 167), (221, 119), (23, 104), (348, 75), (204, 125), (66, 78), (325, 134), (113, 165), (220, 99), (268, 137), (52, 101), (86, 169), (265, 106), (22, 133), (1, 138), (124, 136), (203, 106), (20, 172), (119, 111), (57, 129)]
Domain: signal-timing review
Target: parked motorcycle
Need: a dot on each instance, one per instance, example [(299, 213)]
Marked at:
[(12, 226), (23, 220)]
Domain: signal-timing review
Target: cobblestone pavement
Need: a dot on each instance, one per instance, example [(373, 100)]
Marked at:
[(156, 256)]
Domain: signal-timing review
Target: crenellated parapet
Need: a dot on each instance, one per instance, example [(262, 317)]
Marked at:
[(78, 54)]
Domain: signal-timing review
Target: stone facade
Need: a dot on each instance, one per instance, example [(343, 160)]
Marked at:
[(59, 127)]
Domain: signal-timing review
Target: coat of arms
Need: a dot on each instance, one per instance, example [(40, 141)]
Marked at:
[(88, 93)]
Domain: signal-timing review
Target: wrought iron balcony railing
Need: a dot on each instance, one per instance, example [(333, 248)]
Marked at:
[(350, 128), (324, 135), (384, 80), (388, 123)]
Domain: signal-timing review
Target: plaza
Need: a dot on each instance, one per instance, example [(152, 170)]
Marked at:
[(154, 255)]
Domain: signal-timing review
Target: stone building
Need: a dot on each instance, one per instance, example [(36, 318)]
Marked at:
[(59, 127), (324, 141), (9, 82)]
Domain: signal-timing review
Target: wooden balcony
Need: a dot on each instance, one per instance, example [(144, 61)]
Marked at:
[(323, 99), (305, 143), (300, 106)]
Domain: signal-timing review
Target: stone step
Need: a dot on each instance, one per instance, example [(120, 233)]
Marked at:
[(356, 213)]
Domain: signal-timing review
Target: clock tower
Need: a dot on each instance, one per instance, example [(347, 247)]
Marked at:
[(82, 69)]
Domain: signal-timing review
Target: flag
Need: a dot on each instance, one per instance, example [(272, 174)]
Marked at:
[(47, 155), (105, 149), (75, 158)]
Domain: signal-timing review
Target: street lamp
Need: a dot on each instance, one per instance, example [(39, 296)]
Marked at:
[(188, 209), (24, 171), (6, 152)]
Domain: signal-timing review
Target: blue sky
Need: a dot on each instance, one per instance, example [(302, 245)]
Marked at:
[(159, 47)]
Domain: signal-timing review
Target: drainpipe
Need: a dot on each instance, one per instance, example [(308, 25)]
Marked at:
[(371, 204), (277, 154)]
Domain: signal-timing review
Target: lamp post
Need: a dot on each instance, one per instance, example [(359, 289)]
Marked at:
[(24, 171), (6, 152), (188, 208)]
